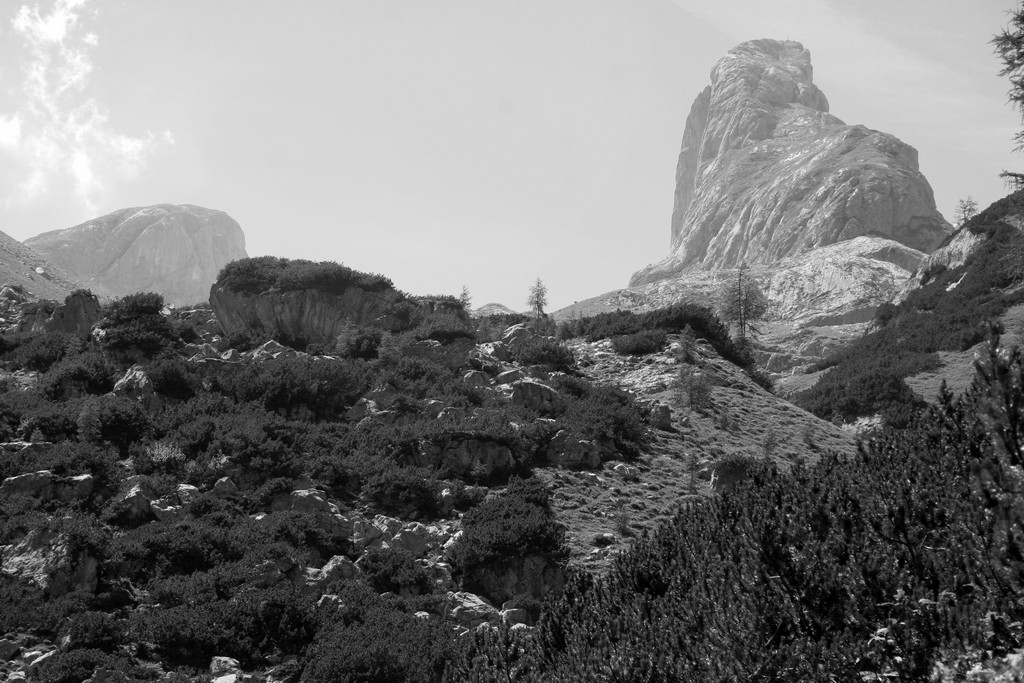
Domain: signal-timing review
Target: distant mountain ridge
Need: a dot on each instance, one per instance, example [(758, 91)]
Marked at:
[(175, 250)]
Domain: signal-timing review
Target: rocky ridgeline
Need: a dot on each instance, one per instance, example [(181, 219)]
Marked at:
[(174, 250)]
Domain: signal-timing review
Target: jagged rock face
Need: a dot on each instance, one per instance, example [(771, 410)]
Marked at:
[(766, 173), (310, 315), (175, 250)]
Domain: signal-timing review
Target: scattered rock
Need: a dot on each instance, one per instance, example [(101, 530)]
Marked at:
[(511, 616), (225, 487), (537, 396), (471, 610), (564, 450), (224, 665)]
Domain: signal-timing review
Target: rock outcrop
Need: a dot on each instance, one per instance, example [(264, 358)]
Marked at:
[(76, 315), (767, 173), (310, 315), (175, 250)]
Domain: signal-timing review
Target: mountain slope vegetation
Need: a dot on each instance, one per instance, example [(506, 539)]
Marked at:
[(947, 312)]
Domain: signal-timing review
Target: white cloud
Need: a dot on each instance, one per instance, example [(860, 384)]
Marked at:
[(59, 132)]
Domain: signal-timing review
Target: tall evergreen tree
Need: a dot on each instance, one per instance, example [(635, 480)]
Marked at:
[(741, 302)]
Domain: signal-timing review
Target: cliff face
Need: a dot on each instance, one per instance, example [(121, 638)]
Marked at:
[(766, 172), (307, 314), (175, 250)]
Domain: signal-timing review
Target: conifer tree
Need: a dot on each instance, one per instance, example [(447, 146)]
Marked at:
[(538, 298), (741, 302)]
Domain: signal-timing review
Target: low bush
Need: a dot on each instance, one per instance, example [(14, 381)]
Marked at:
[(361, 343), (546, 352), (395, 571), (639, 343), (596, 411), (89, 372), (404, 491), (173, 377), (367, 639)]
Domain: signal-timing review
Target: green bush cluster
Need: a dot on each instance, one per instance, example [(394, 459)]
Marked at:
[(546, 352), (516, 523), (263, 273), (640, 343), (947, 313)]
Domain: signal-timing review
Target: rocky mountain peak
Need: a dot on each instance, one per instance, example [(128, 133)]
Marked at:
[(175, 250), (766, 172)]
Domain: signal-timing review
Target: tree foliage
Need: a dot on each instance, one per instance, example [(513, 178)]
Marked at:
[(741, 302), (538, 298), (1009, 47)]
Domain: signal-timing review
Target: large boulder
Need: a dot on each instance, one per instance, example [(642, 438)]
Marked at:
[(470, 610), (48, 560), (176, 250), (537, 396), (137, 386)]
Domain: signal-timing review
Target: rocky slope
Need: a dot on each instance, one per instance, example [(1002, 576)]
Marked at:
[(175, 250), (766, 172), (35, 276)]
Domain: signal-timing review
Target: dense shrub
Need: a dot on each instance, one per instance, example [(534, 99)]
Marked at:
[(325, 388), (395, 571), (361, 343), (88, 372), (92, 629), (545, 351), (946, 314), (405, 491), (367, 639), (134, 323), (596, 411), (519, 522), (42, 351), (639, 343), (173, 377), (262, 273)]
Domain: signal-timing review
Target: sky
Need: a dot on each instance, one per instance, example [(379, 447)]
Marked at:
[(454, 143)]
